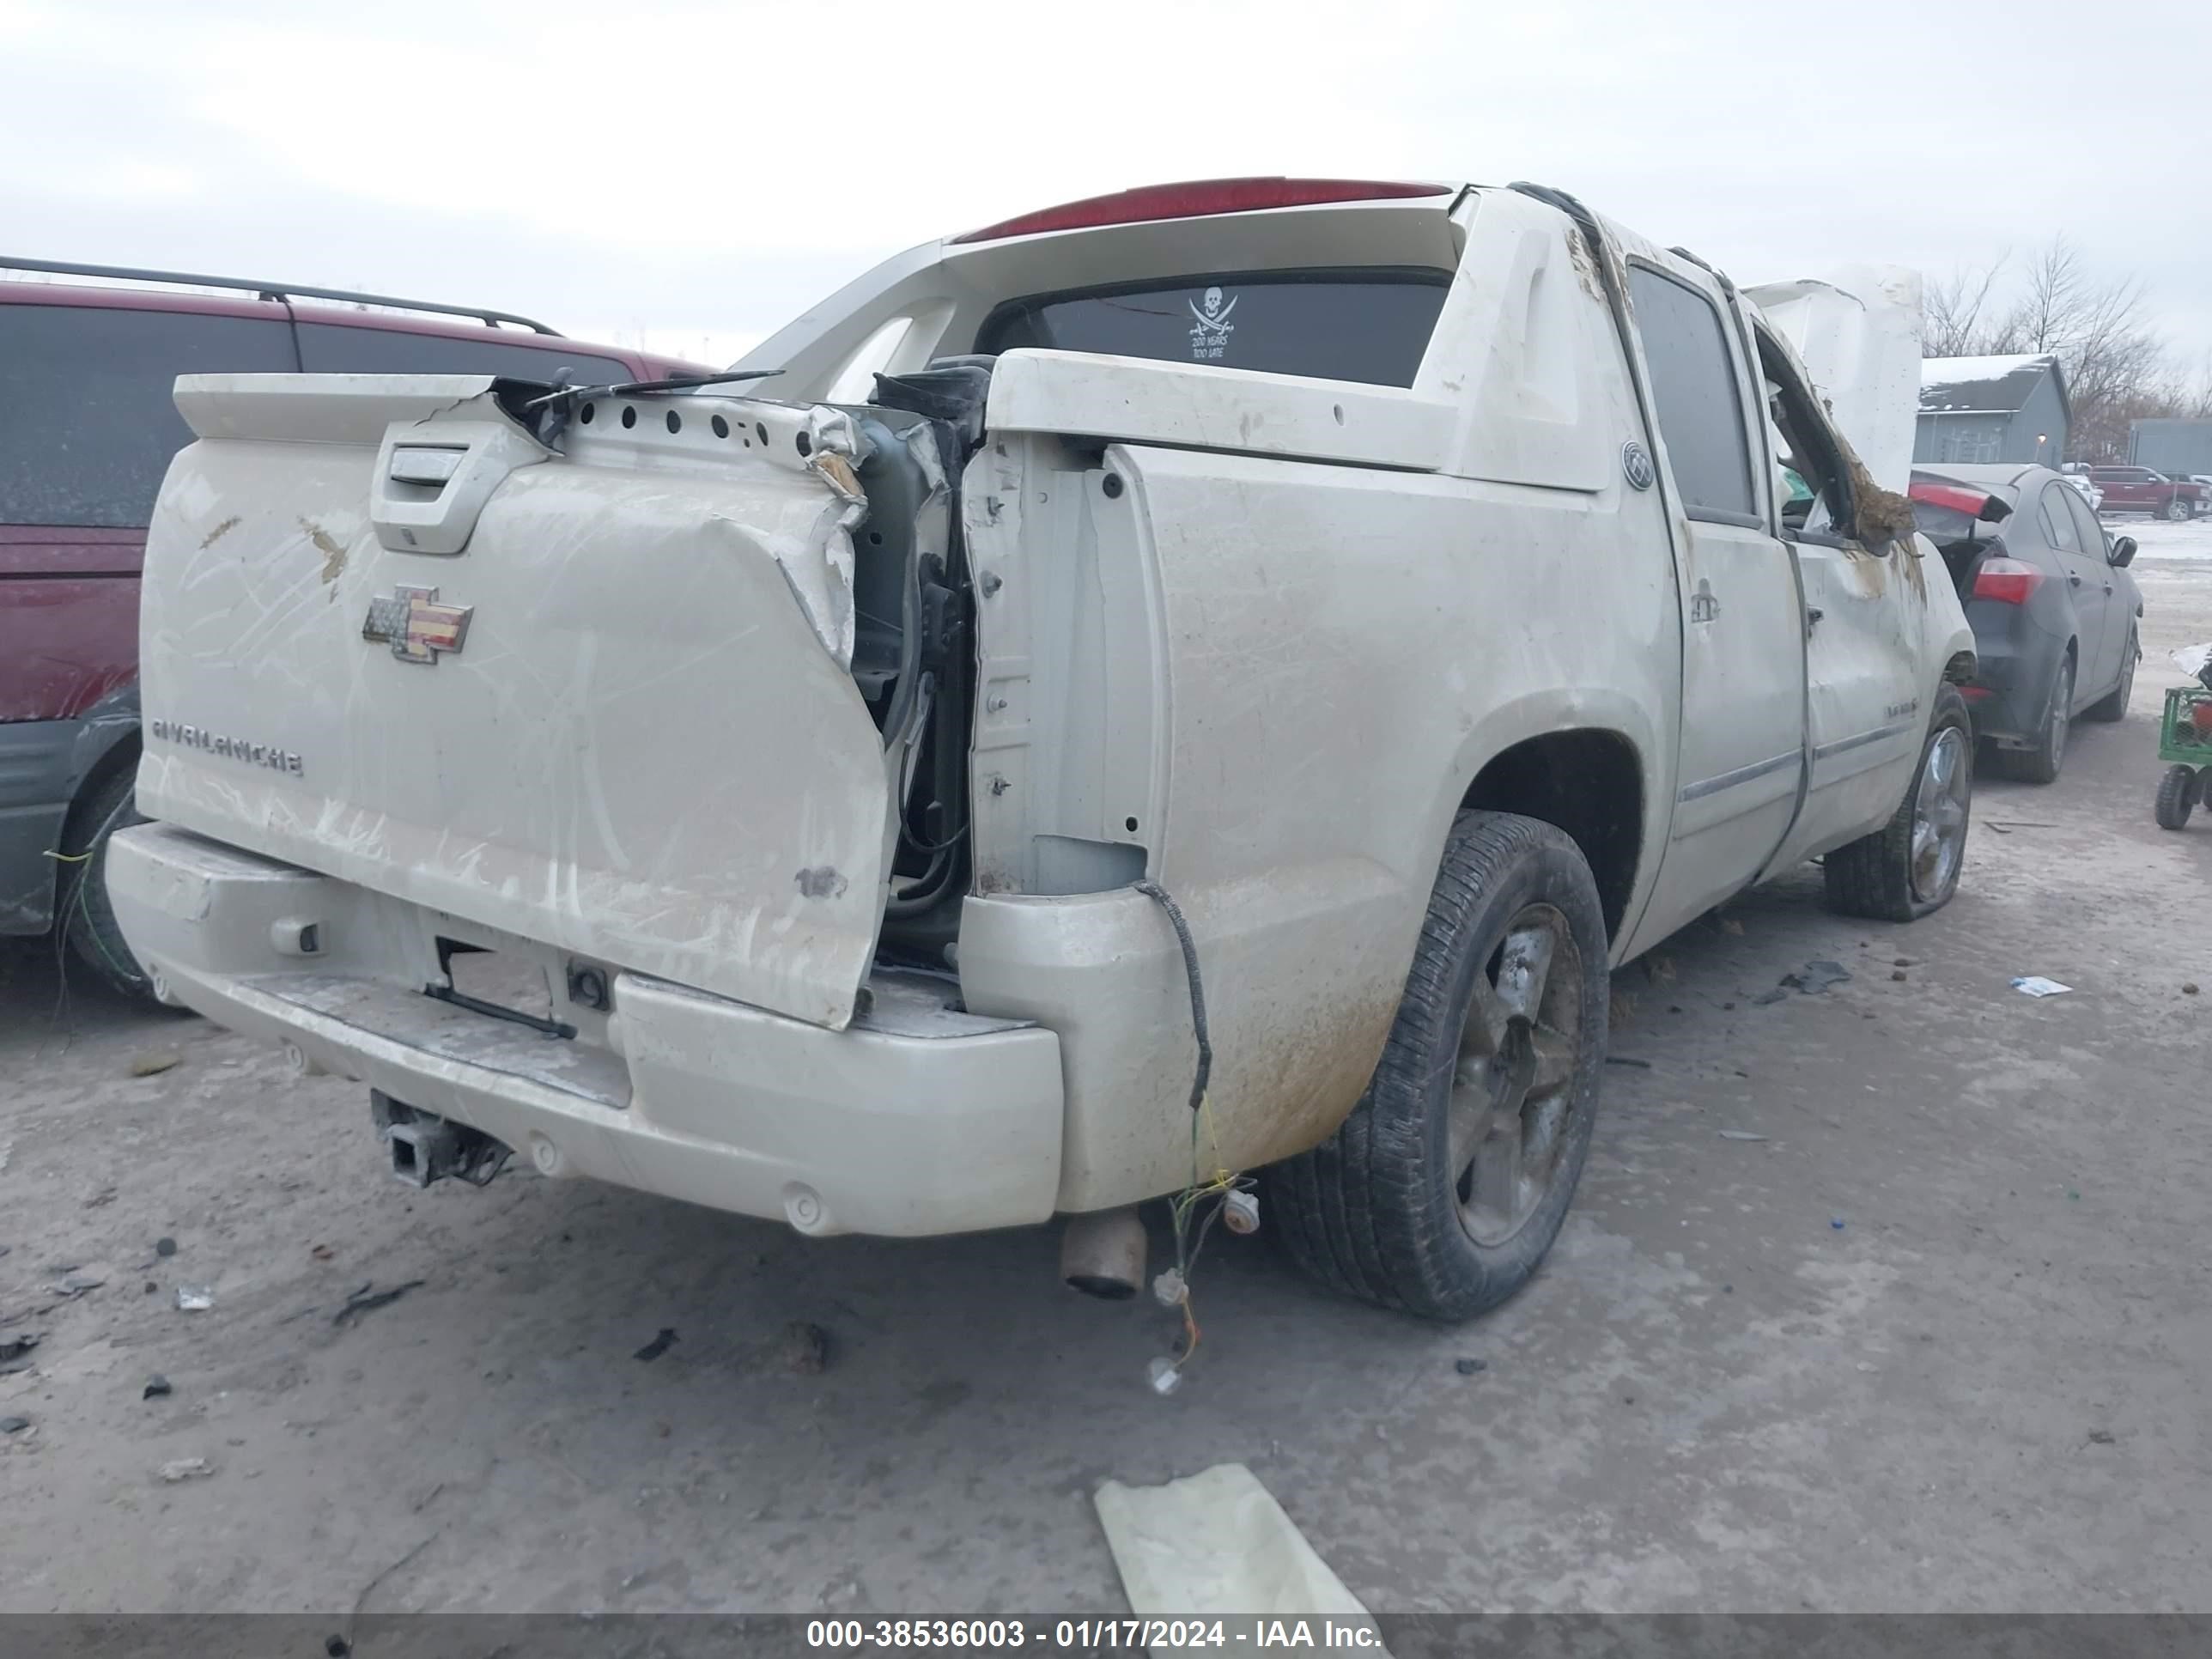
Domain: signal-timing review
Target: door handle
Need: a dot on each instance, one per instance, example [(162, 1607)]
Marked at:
[(2075, 578), (2108, 588), (1813, 615)]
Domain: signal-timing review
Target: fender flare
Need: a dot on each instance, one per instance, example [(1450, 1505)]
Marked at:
[(101, 730), (1554, 711)]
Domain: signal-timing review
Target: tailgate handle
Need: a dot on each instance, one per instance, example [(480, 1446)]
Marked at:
[(433, 477), (416, 464)]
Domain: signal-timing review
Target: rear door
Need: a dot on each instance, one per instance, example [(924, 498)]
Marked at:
[(2089, 578), (1743, 637), (1867, 676), (2097, 567)]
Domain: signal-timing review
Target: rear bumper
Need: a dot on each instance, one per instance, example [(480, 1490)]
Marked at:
[(2015, 661), (913, 1120)]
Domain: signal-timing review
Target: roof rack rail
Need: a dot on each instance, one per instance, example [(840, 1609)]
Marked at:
[(275, 290)]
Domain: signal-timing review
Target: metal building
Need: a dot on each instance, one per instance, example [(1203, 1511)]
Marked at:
[(2178, 448), (1992, 408)]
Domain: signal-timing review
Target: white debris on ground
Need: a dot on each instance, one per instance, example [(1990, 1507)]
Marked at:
[(1217, 1544)]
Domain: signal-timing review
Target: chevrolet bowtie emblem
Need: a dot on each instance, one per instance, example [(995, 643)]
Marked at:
[(416, 625)]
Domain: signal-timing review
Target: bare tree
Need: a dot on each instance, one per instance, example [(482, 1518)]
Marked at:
[(2192, 392), (2099, 331), (1951, 312)]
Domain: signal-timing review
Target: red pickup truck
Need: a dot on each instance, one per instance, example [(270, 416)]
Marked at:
[(2139, 489), (86, 433)]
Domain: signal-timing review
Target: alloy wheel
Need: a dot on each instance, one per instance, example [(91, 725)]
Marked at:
[(1512, 1087), (1939, 814)]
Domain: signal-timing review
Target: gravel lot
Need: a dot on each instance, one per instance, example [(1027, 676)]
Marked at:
[(1939, 1339)]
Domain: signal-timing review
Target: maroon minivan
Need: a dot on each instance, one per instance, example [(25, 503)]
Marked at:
[(87, 430)]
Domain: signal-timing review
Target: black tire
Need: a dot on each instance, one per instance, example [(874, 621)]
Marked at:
[(2113, 706), (2177, 795), (1880, 875), (2040, 764), (2176, 510), (1379, 1211), (86, 919)]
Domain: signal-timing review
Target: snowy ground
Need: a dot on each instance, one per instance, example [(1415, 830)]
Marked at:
[(2173, 569), (2157, 539)]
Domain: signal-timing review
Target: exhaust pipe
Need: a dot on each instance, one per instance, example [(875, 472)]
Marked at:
[(1103, 1253), (425, 1147)]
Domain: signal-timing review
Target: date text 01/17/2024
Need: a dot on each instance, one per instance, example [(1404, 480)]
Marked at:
[(1090, 1635)]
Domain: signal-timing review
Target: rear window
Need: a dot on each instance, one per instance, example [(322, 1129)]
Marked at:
[(87, 427), (1942, 524), (334, 348), (1366, 325)]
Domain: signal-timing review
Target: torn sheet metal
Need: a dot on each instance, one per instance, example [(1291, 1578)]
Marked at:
[(1217, 1544), (820, 572)]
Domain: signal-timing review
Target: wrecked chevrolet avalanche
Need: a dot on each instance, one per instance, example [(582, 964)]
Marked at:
[(1318, 626)]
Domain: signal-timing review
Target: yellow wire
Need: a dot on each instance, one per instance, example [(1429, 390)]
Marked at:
[(1223, 1181), (65, 858)]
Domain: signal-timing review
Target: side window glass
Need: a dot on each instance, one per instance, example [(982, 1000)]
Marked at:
[(1693, 384), (2093, 540), (2057, 522), (90, 423)]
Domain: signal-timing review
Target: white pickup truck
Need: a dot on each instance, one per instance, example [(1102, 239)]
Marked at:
[(1376, 609)]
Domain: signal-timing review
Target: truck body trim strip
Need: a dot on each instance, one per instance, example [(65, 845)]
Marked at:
[(1730, 780), (1861, 739)]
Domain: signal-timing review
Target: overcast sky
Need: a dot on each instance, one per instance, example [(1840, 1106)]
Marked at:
[(689, 178)]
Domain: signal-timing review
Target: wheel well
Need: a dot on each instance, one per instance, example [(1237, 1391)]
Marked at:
[(122, 756), (1587, 783)]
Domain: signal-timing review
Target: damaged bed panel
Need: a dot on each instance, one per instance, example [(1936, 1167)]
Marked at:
[(619, 721)]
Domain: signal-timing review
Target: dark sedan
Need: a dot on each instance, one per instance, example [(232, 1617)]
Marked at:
[(2046, 590)]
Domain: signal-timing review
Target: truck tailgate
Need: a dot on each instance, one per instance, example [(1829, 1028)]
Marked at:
[(612, 721)]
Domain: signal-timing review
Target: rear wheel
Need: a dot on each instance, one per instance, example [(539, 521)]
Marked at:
[(2040, 763), (86, 919), (1447, 1184), (2114, 706), (1911, 865), (2177, 509), (2177, 794)]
